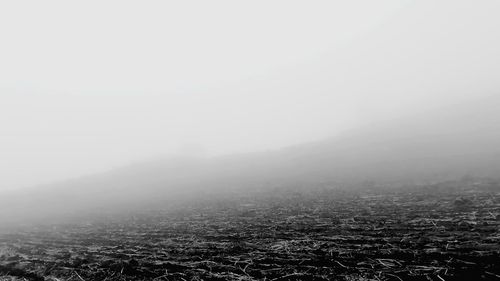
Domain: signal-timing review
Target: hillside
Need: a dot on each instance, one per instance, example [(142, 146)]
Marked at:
[(439, 145)]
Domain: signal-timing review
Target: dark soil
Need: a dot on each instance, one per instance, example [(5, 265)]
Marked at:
[(440, 232)]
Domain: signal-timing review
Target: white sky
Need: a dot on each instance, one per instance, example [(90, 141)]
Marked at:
[(86, 86)]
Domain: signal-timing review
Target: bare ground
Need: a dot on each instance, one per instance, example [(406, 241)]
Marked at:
[(447, 231)]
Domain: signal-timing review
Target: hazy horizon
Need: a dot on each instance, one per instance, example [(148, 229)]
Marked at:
[(84, 88)]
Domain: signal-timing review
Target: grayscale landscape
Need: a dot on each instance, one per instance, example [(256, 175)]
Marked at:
[(230, 140)]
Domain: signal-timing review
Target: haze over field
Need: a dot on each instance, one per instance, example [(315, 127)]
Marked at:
[(89, 87), (250, 140), (446, 144)]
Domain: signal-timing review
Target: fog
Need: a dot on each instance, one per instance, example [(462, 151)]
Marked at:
[(89, 87), (118, 102)]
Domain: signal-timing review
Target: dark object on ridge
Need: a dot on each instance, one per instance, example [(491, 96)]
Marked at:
[(463, 203)]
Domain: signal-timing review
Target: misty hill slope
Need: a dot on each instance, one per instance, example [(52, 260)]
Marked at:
[(438, 145)]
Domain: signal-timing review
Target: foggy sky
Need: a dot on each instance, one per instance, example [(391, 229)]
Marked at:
[(89, 86)]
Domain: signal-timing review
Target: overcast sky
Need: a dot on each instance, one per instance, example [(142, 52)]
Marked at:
[(86, 86)]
